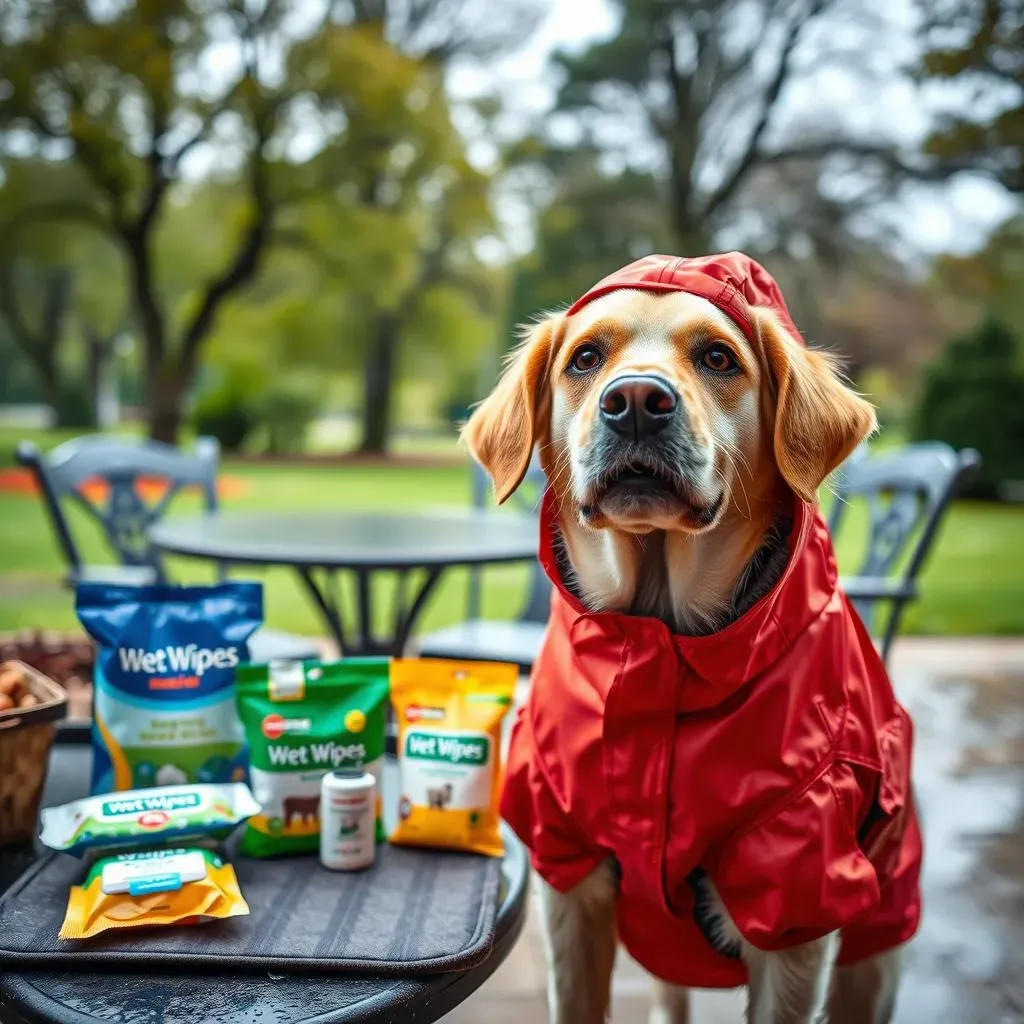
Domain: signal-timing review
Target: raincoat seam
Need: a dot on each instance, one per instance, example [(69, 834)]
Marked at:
[(838, 796), (859, 759), (784, 802)]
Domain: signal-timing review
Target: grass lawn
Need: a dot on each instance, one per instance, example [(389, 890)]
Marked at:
[(974, 583)]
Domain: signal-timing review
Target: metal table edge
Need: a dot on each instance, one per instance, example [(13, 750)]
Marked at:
[(429, 997)]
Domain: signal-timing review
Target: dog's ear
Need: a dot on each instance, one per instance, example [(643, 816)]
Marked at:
[(505, 426), (818, 419)]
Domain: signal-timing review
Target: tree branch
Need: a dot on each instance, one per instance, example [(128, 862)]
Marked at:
[(158, 180), (246, 260), (92, 162), (752, 152), (163, 170), (11, 312), (887, 155), (39, 347), (55, 302)]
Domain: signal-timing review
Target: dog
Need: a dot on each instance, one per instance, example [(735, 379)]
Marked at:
[(711, 767), (439, 797), (303, 809)]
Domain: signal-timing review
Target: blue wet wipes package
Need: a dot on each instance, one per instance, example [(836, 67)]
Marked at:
[(164, 709)]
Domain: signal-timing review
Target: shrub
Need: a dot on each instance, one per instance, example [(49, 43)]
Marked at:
[(973, 396), (225, 412), (74, 408), (462, 395), (285, 410)]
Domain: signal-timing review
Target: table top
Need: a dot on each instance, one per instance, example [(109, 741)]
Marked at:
[(42, 997), (352, 540)]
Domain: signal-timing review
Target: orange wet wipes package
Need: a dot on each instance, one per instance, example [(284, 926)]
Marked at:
[(449, 750), (153, 887)]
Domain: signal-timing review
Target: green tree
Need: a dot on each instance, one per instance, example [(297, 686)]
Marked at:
[(61, 298), (418, 213), (845, 293), (692, 90), (978, 45), (990, 279), (124, 96), (589, 223), (973, 396)]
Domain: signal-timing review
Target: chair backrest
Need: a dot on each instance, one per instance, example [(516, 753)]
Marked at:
[(525, 501), (907, 492), (125, 485)]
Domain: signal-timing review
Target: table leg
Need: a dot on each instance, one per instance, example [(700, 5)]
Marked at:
[(364, 599), (364, 642), (328, 603), (405, 618)]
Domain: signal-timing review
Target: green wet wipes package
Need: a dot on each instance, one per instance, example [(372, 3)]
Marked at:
[(302, 720), (143, 817)]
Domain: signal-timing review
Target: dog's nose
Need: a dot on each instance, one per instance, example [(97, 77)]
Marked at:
[(638, 406)]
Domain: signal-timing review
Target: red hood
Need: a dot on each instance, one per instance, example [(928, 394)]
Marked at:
[(732, 281)]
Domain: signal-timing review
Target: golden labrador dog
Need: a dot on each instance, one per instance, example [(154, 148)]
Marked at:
[(674, 442)]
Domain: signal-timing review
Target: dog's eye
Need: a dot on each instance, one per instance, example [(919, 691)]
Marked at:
[(719, 359), (586, 358)]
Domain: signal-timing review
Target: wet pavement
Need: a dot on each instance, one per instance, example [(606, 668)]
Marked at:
[(966, 966)]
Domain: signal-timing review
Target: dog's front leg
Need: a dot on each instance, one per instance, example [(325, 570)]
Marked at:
[(670, 1004), (790, 986), (579, 936), (865, 993)]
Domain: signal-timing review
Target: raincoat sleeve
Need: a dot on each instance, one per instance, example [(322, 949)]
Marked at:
[(558, 853), (800, 873)]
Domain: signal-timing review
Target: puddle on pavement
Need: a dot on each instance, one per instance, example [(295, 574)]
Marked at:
[(967, 964)]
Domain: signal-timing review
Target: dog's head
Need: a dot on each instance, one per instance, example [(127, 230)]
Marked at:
[(656, 411)]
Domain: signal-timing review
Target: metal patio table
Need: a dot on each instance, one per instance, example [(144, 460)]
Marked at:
[(98, 997), (418, 547)]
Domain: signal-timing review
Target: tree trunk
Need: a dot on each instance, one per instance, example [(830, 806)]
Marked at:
[(165, 394), (378, 382), (49, 385)]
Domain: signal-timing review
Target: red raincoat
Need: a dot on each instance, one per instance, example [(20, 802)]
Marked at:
[(771, 756)]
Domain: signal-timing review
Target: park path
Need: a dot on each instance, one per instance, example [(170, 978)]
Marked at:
[(967, 964)]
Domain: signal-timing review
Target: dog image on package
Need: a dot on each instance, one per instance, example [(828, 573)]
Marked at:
[(449, 720), (164, 705)]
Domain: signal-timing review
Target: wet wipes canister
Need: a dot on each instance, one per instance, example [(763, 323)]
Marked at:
[(347, 815)]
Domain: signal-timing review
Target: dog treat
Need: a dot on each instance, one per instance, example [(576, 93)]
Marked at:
[(11, 682), (164, 709), (153, 887), (147, 816), (303, 719), (14, 689), (449, 748)]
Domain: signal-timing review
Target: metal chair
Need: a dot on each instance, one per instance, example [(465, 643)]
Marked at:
[(478, 639), (907, 491), (119, 469)]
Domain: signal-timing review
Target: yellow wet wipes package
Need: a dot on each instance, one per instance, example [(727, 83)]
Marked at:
[(449, 750), (153, 887)]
